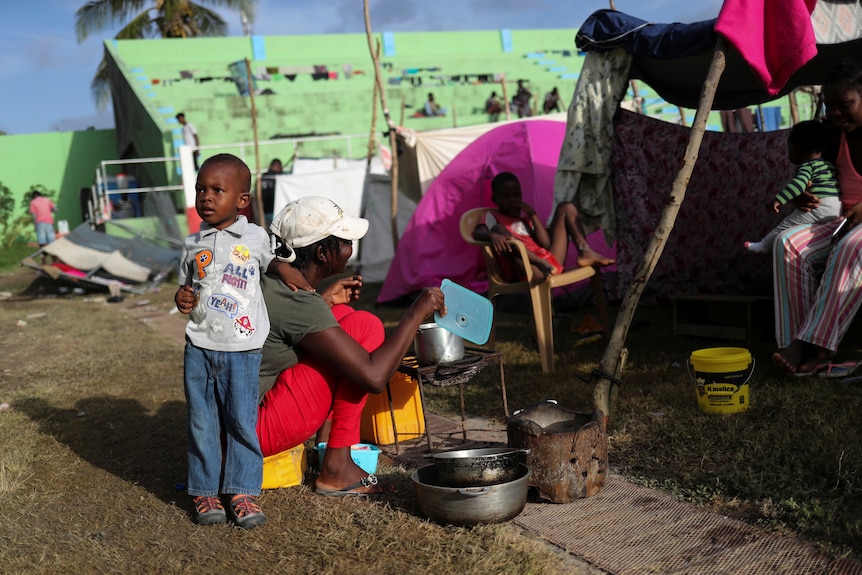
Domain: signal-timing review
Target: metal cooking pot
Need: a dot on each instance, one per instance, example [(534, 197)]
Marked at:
[(434, 345), (477, 467), (470, 505)]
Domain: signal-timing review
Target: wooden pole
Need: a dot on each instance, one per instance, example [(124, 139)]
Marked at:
[(639, 106), (403, 106), (372, 135), (393, 141), (505, 97), (260, 217), (454, 115), (614, 355), (794, 110)]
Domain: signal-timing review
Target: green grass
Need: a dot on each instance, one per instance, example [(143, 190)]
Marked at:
[(790, 463), (11, 257)]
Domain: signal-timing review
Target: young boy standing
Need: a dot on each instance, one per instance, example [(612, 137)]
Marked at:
[(220, 287)]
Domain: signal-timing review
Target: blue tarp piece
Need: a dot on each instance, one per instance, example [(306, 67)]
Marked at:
[(771, 118)]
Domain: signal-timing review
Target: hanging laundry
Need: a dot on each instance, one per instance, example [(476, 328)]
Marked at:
[(348, 71), (186, 75), (320, 73)]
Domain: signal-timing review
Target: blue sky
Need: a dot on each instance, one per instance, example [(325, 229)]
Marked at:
[(45, 72)]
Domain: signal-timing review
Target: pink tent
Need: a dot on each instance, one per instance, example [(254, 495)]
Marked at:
[(431, 248)]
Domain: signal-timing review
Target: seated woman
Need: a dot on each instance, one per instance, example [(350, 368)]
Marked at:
[(817, 285), (322, 357)]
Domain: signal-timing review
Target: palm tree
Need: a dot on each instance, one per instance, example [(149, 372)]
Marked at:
[(151, 19)]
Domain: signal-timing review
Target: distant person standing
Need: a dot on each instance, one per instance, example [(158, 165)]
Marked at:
[(42, 209), (522, 100), (190, 137), (553, 102), (493, 107)]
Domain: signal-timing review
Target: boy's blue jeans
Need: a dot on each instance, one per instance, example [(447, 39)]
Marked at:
[(221, 396)]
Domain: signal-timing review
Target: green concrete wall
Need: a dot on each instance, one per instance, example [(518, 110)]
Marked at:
[(63, 162)]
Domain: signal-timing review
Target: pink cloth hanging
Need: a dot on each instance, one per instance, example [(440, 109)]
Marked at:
[(774, 36)]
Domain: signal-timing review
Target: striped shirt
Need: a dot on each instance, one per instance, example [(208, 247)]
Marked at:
[(822, 174)]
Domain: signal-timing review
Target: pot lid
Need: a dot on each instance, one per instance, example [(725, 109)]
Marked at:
[(469, 315)]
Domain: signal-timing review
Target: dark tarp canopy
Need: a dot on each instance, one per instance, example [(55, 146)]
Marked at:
[(673, 59)]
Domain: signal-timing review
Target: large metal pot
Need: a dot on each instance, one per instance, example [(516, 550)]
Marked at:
[(477, 467), (434, 345), (470, 505)]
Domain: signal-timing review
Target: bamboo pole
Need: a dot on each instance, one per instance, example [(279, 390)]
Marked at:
[(403, 106), (258, 195), (794, 110), (454, 115), (613, 358), (639, 106), (505, 97), (393, 142), (371, 136)]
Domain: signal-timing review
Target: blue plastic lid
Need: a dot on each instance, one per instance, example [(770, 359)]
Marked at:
[(469, 315)]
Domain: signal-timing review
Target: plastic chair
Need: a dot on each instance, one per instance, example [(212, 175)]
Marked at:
[(540, 291)]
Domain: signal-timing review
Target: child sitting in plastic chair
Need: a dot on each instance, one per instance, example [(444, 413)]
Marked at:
[(546, 247)]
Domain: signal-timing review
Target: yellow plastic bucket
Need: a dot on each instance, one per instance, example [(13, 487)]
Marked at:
[(721, 376)]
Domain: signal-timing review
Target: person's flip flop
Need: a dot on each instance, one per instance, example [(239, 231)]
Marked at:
[(366, 481), (840, 369), (817, 370)]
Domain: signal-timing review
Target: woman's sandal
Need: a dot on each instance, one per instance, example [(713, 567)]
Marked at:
[(366, 481), (835, 370)]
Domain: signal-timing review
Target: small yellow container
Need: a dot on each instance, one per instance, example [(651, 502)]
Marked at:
[(721, 376), (284, 469), (376, 423)]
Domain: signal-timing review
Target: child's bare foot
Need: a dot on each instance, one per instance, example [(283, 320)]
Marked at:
[(589, 257)]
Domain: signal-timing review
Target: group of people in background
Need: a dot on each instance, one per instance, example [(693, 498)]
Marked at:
[(521, 103)]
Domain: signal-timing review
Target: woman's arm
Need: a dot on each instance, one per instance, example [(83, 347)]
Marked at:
[(372, 371)]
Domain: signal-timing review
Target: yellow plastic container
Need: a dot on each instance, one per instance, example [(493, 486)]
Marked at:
[(721, 376), (376, 423), (284, 469)]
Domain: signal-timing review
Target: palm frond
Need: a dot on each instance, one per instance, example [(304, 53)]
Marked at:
[(208, 22), (141, 26), (97, 15), (100, 85)]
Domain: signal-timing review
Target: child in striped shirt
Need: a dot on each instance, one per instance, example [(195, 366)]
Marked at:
[(805, 146)]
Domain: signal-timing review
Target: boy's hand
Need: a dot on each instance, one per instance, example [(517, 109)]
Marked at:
[(343, 291), (291, 276), (776, 205), (528, 209), (185, 299), (500, 243)]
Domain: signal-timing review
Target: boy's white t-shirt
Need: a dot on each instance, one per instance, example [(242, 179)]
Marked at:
[(224, 267)]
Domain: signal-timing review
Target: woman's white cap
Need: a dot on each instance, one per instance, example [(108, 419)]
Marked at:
[(310, 219)]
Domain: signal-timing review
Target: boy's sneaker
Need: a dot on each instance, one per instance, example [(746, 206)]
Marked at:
[(246, 511), (209, 510)]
